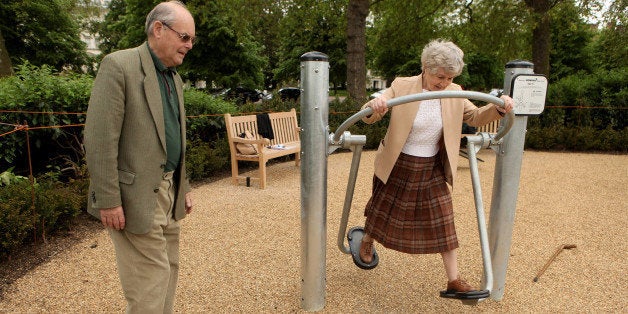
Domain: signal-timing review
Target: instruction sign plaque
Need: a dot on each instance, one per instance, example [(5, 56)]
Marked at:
[(528, 93)]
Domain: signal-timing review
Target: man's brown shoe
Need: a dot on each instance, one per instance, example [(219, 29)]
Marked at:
[(366, 249)]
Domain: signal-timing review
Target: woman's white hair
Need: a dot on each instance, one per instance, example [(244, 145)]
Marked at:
[(162, 12), (442, 54)]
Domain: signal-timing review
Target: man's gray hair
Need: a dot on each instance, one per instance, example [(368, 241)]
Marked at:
[(161, 12), (442, 54)]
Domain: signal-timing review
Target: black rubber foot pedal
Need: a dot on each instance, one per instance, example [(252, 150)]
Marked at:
[(354, 236), (471, 295)]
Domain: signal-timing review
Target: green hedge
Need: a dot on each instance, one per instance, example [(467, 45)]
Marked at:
[(598, 100), (577, 139), (55, 207), (40, 91), (16, 217), (207, 147)]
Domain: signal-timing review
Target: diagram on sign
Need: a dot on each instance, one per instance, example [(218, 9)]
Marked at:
[(528, 92)]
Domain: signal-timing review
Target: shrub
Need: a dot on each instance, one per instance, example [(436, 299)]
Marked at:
[(8, 177), (341, 111), (40, 89), (55, 207), (57, 204), (207, 151), (584, 112), (16, 216), (577, 139), (203, 161), (570, 99), (205, 111)]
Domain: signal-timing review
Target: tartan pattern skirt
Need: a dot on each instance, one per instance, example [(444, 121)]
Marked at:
[(413, 211)]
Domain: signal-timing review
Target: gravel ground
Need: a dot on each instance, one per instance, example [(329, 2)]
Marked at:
[(241, 248)]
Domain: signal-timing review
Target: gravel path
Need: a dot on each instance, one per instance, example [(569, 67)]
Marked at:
[(240, 248)]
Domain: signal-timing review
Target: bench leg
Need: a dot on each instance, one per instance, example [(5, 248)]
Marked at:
[(234, 171), (262, 173), (297, 159)]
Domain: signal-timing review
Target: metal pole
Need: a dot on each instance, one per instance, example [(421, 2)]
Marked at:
[(353, 175), (314, 145), (506, 186), (487, 283)]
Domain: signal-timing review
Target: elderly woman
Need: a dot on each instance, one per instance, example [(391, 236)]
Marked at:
[(411, 209)]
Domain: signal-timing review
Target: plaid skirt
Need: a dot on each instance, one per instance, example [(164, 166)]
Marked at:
[(413, 211)]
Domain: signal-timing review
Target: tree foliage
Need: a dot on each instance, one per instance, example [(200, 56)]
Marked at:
[(42, 32), (610, 49), (311, 25), (259, 24), (112, 28), (261, 46), (222, 56), (400, 30), (569, 33), (500, 30)]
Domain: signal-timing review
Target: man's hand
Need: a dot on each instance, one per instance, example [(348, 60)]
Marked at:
[(112, 217), (188, 202)]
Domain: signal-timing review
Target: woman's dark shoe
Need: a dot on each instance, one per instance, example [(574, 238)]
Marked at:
[(366, 249)]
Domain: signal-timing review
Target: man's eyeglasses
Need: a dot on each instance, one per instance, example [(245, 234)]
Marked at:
[(184, 37)]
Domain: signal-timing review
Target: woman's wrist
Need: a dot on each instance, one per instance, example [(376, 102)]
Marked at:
[(499, 111)]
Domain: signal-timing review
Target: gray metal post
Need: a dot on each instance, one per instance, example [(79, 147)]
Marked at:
[(506, 186), (314, 145)]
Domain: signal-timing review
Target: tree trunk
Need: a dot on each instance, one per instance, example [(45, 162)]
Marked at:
[(356, 49), (541, 46), (541, 42), (6, 68)]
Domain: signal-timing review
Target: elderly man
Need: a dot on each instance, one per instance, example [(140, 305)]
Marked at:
[(135, 149)]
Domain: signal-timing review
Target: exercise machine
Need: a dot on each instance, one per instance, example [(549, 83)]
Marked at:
[(528, 91)]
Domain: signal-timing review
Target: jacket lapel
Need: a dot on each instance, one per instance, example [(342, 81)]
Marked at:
[(406, 113), (448, 111), (178, 82), (151, 90)]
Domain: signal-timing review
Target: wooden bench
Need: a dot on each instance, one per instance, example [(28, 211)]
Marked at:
[(286, 141), (491, 127)]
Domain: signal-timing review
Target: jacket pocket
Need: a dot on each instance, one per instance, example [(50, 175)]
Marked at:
[(126, 177)]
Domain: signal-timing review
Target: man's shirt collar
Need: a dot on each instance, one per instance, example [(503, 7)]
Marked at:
[(158, 64)]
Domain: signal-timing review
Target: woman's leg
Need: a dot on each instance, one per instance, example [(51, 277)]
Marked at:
[(454, 282), (451, 264)]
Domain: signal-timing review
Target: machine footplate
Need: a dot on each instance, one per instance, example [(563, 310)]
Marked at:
[(354, 236), (471, 295)]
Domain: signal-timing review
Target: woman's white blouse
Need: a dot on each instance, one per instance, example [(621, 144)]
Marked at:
[(427, 130)]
